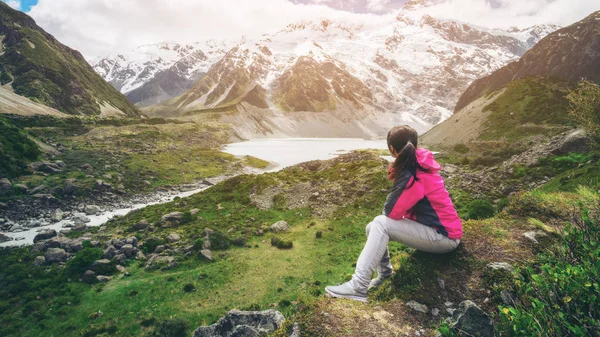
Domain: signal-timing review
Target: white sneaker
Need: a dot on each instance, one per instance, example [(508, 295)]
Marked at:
[(346, 291), (376, 282)]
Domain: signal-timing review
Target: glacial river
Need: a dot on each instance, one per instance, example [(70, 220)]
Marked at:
[(280, 152)]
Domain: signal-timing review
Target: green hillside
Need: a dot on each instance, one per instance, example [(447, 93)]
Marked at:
[(48, 72)]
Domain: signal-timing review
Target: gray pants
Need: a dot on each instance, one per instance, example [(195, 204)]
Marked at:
[(383, 229)]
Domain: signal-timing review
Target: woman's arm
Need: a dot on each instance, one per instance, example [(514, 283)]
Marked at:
[(402, 198)]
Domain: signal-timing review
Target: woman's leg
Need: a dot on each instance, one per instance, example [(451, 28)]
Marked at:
[(405, 231), (384, 268)]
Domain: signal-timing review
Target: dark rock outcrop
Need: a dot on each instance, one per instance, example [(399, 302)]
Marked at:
[(470, 320), (243, 324)]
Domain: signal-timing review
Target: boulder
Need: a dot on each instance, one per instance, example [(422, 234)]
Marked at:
[(103, 266), (44, 235), (132, 241), (5, 186), (280, 226), (55, 255), (172, 217), (101, 185), (37, 189), (57, 215), (92, 209), (194, 211), (89, 276), (173, 237), (5, 238), (243, 324), (470, 320), (47, 167), (206, 254), (39, 261), (128, 250), (142, 224), (119, 258), (109, 252), (80, 219), (577, 141)]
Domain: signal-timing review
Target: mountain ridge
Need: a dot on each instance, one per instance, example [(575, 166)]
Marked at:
[(37, 66), (547, 58), (416, 65)]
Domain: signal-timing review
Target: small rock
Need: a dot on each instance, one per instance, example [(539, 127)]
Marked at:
[(206, 254), (280, 226), (435, 312), (470, 320), (441, 283), (194, 211), (39, 261), (91, 209), (80, 219), (103, 279), (120, 268), (418, 306), (173, 237), (501, 266)]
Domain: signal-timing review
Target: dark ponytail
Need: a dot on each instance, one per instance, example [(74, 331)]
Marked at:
[(404, 140)]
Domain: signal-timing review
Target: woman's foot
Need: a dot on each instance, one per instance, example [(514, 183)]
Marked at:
[(346, 291), (376, 282)]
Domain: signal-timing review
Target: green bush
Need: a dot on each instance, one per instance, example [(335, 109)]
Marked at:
[(480, 209), (150, 244), (84, 259), (219, 241), (16, 150), (461, 148), (560, 296), (198, 243), (171, 328), (5, 78), (281, 244), (585, 108)]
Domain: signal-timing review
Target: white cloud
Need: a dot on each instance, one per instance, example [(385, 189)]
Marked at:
[(377, 5), (16, 4), (101, 27), (519, 13)]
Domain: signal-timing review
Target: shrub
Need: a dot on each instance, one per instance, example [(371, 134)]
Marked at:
[(150, 244), (560, 296), (188, 288), (281, 244), (198, 243), (239, 241), (480, 209), (171, 328), (16, 150), (585, 108), (84, 259), (5, 77), (219, 241), (461, 148)]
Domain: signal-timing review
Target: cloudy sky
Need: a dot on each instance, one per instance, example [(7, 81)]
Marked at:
[(101, 27)]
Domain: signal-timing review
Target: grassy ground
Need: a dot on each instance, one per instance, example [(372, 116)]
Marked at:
[(258, 276), (139, 155)]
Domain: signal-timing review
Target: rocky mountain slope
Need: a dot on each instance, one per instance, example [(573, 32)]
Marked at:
[(35, 65), (409, 70), (150, 74), (570, 54)]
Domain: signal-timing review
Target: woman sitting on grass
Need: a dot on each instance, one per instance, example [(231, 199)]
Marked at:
[(418, 213)]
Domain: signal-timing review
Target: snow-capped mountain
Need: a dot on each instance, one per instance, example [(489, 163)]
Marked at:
[(411, 70), (152, 73)]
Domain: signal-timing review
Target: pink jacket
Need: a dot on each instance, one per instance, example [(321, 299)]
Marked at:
[(426, 201)]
